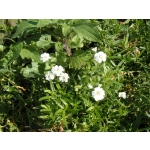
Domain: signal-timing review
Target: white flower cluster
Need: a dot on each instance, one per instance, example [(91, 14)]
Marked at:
[(45, 57), (57, 71), (99, 57), (98, 93), (122, 94)]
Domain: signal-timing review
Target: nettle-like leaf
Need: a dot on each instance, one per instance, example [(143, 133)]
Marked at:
[(88, 31), (31, 71), (44, 42), (79, 58), (13, 54), (30, 52), (25, 26)]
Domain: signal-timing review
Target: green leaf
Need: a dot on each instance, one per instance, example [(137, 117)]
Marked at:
[(52, 86), (61, 59), (59, 46), (65, 29), (78, 59), (64, 119), (1, 48), (43, 23), (120, 111), (30, 52), (31, 71), (4, 70), (44, 98), (88, 31), (13, 54), (25, 26), (76, 42), (117, 83), (44, 42)]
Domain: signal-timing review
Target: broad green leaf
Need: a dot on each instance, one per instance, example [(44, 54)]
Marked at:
[(31, 71), (25, 26), (43, 23), (88, 31), (30, 52), (78, 59), (76, 42), (65, 29), (4, 70), (44, 42), (13, 54)]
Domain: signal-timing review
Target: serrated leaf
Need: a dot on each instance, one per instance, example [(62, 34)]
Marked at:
[(78, 59), (12, 54), (30, 52), (88, 31), (25, 26)]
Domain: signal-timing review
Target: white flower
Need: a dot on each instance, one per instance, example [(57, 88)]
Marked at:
[(90, 86), (49, 76), (64, 77), (45, 57), (100, 56), (122, 94), (98, 93), (94, 49), (57, 70)]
